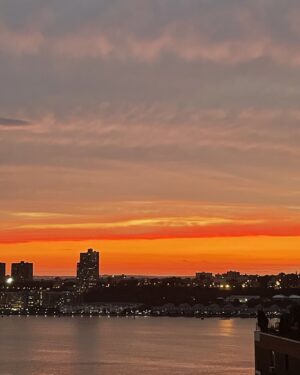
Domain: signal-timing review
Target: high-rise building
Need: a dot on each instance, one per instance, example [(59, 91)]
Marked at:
[(88, 270), (22, 271), (2, 271)]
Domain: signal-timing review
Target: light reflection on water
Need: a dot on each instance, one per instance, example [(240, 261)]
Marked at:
[(185, 346)]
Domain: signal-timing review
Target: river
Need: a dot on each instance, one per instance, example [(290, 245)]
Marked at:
[(125, 346)]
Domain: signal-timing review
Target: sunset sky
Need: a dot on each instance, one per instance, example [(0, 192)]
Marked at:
[(164, 133)]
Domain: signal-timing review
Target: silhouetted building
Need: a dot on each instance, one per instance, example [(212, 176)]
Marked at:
[(232, 275), (88, 270), (204, 276), (276, 355), (22, 271), (2, 271), (277, 348)]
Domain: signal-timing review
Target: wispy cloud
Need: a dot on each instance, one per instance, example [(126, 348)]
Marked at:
[(161, 222), (226, 32), (157, 100), (11, 122), (185, 40)]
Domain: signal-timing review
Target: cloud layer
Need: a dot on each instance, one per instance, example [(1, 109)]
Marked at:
[(105, 103), (147, 31)]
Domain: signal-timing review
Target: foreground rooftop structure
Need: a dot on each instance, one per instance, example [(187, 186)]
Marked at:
[(276, 355), (277, 346)]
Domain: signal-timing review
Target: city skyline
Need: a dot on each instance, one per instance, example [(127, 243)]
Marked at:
[(167, 130), (89, 265)]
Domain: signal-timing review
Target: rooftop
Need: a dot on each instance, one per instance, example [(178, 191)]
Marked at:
[(288, 325)]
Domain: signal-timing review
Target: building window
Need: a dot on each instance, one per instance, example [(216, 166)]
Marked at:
[(273, 359)]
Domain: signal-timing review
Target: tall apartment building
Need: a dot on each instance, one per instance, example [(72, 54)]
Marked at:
[(22, 271), (88, 270), (2, 271)]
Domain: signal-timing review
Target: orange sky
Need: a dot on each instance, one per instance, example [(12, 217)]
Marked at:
[(156, 240), (163, 257)]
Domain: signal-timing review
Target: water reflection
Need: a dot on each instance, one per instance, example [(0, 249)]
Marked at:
[(226, 327), (66, 346)]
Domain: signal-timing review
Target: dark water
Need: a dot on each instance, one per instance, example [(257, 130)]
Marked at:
[(79, 346)]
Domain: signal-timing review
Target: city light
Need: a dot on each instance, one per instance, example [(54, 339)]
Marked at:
[(9, 281)]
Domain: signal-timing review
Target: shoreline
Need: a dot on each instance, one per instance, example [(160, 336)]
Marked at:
[(58, 316)]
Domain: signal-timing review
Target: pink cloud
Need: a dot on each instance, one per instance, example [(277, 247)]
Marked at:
[(20, 43), (175, 38)]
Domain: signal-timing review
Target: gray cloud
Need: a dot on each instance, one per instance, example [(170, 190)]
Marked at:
[(11, 122), (169, 88), (147, 30)]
